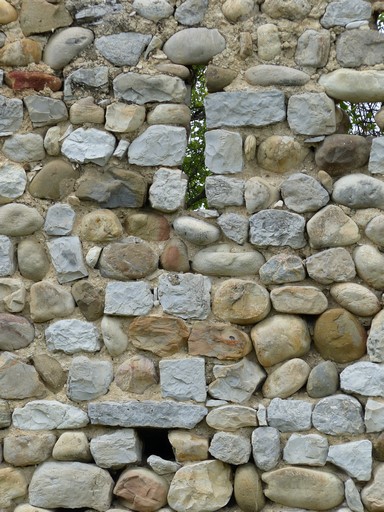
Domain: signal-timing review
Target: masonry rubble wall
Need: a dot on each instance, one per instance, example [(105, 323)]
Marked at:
[(157, 358)]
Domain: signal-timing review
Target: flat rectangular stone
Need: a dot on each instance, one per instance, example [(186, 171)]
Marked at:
[(7, 256), (245, 108), (147, 413)]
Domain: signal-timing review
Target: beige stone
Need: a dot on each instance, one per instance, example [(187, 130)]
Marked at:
[(372, 494), (268, 42), (250, 145), (241, 302), (50, 371), (279, 338), (30, 508), (142, 489), (124, 118), (7, 13), (217, 77), (304, 488), (38, 16), (235, 10), (287, 379), (201, 486), (85, 111), (72, 446), (300, 300), (56, 179), (20, 53), (289, 9), (12, 295), (136, 374), (50, 300), (187, 446), (281, 153), (331, 227), (101, 226), (174, 69), (259, 194), (223, 341), (170, 114), (369, 263), (246, 45), (356, 298), (163, 335), (148, 226), (339, 336), (248, 489), (12, 485), (231, 417), (354, 86), (28, 449)]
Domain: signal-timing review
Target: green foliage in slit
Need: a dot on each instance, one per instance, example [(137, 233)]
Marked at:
[(362, 118)]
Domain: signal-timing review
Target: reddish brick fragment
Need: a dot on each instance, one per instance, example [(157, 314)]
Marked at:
[(36, 80)]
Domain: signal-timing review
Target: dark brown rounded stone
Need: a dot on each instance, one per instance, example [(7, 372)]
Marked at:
[(340, 153), (55, 180), (378, 447), (131, 259), (89, 299), (217, 77), (339, 336), (149, 226)]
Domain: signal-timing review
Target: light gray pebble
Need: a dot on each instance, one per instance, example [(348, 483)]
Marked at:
[(374, 416), (363, 378), (65, 45), (162, 466), (67, 258), (59, 220), (117, 449), (196, 231), (374, 230), (338, 415), (331, 265), (289, 415), (7, 256), (311, 114), (311, 450), (231, 448), (352, 496), (154, 11), (342, 12), (11, 115), (266, 447), (13, 180), (302, 193), (194, 45), (168, 189), (48, 415), (45, 111), (277, 228), (191, 12), (114, 336), (18, 219), (223, 152), (225, 260), (359, 191), (355, 458)]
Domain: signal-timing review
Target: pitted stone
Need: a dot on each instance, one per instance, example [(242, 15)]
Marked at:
[(7, 256), (231, 448), (289, 415), (281, 269), (266, 447), (222, 191), (124, 48), (167, 191), (234, 227), (338, 415), (277, 228), (128, 299)]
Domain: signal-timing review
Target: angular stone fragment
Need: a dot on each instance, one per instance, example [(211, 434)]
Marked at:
[(45, 111), (231, 417), (318, 490), (116, 449), (311, 450), (128, 299), (85, 111), (356, 298), (374, 416), (48, 415), (88, 379), (59, 220), (136, 374), (244, 108), (311, 114), (302, 193), (185, 295), (71, 485), (36, 80), (12, 485), (168, 189), (141, 88), (15, 332), (49, 301), (369, 261), (11, 111), (32, 259), (343, 12), (12, 295), (65, 45), (288, 229), (301, 300), (67, 258), (37, 16), (96, 77), (338, 415), (372, 494), (159, 145), (20, 53), (289, 415), (266, 447), (236, 382), (230, 448), (375, 345), (124, 48), (355, 458), (234, 227), (183, 379), (332, 265), (338, 153), (147, 413), (287, 379), (124, 118), (289, 9), (17, 379), (54, 180), (281, 153), (89, 146), (223, 152), (352, 85), (72, 336), (191, 12), (50, 371), (352, 496), (72, 446), (268, 74), (313, 48), (282, 268), (354, 48), (89, 299), (28, 449), (323, 380), (222, 191), (363, 378), (7, 256), (188, 446)]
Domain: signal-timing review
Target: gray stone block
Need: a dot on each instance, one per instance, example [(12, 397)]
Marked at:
[(289, 415), (48, 415), (311, 113), (338, 415), (342, 12), (168, 189), (302, 193), (355, 48), (88, 379), (222, 191), (45, 111), (183, 379), (313, 48), (67, 258), (140, 89), (94, 77), (223, 152), (72, 336), (230, 448), (7, 256), (359, 191), (363, 378), (117, 449), (123, 49), (59, 220), (128, 299), (11, 115), (13, 180), (89, 146), (277, 228), (311, 450), (234, 226), (266, 447), (376, 159), (355, 458), (191, 12)]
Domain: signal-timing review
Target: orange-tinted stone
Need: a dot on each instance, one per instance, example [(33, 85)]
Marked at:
[(18, 80)]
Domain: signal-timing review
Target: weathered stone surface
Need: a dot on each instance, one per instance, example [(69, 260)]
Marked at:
[(48, 415), (89, 146), (20, 53), (59, 220), (268, 42), (352, 85), (355, 458), (45, 111), (5, 414), (72, 336), (174, 69), (49, 301), (222, 191), (185, 295), (267, 74), (363, 378), (55, 179), (167, 191), (65, 45), (266, 447), (96, 77), (17, 379), (288, 229), (67, 258), (230, 448), (36, 80), (236, 382), (72, 446), (142, 489), (114, 335), (12, 295), (331, 265), (331, 227), (11, 110), (175, 256), (136, 374), (279, 338), (128, 299), (32, 259), (85, 111), (352, 496), (244, 108), (222, 341), (217, 77), (323, 380), (19, 220), (70, 485), (375, 347), (372, 494), (89, 299), (359, 191), (183, 379), (374, 416), (8, 13), (15, 332), (301, 300), (196, 231), (337, 415), (310, 450), (290, 9), (158, 145), (201, 486), (289, 415), (248, 489), (355, 48), (50, 371), (7, 256), (148, 225), (24, 147), (223, 152), (188, 446), (147, 413), (194, 45), (101, 226), (88, 379), (124, 118), (124, 48), (339, 153), (153, 11), (281, 153), (170, 114), (231, 417), (116, 449), (302, 193), (356, 298), (374, 230), (343, 12), (311, 114), (282, 268), (234, 227), (313, 48), (12, 485), (339, 336), (141, 88), (369, 261), (191, 12), (28, 449), (287, 379), (326, 489)]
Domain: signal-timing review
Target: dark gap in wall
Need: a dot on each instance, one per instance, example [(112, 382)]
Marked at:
[(155, 442)]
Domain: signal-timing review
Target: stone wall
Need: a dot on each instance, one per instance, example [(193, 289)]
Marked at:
[(154, 358)]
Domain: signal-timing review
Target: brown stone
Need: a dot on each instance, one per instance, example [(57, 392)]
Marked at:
[(50, 371), (136, 374), (339, 153), (101, 226), (7, 13), (19, 80), (15, 332), (222, 341), (49, 301), (241, 302), (339, 336), (131, 259), (280, 153), (56, 179), (89, 299), (28, 449), (38, 16), (149, 226), (175, 256), (187, 446), (372, 495), (378, 447), (20, 53), (163, 335), (85, 111), (248, 489), (217, 77), (142, 489)]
